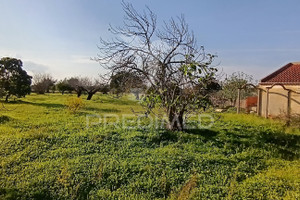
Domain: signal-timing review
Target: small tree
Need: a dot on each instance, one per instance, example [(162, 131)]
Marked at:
[(63, 86), (232, 83), (42, 83), (13, 79), (85, 84), (124, 82), (90, 86), (178, 72), (75, 84)]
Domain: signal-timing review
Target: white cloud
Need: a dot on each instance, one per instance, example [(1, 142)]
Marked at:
[(33, 67), (81, 59)]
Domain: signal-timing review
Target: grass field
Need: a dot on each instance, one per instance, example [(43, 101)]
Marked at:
[(47, 152)]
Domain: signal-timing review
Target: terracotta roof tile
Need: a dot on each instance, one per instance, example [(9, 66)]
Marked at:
[(288, 74)]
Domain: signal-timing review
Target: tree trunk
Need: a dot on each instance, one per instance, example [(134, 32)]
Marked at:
[(79, 92), (6, 98), (175, 120), (137, 95), (63, 92), (90, 95)]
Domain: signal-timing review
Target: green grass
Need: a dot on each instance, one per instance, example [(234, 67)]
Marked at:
[(47, 152)]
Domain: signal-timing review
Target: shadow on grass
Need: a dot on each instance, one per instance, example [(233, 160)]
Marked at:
[(12, 194), (105, 110), (165, 137), (47, 105), (57, 105), (9, 194), (4, 119), (206, 133), (287, 145), (281, 144)]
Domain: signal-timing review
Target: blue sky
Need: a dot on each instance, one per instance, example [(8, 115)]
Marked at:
[(60, 36)]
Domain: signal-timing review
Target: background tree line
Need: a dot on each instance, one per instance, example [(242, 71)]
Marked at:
[(15, 81)]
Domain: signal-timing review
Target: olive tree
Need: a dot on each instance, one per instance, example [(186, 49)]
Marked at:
[(63, 86), (87, 85), (90, 86), (75, 84), (178, 72)]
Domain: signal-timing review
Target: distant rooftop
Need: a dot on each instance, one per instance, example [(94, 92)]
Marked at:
[(288, 74)]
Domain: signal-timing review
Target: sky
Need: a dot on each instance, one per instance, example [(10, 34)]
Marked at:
[(60, 36)]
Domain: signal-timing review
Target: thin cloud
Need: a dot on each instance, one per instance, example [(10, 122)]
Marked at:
[(33, 67), (80, 59)]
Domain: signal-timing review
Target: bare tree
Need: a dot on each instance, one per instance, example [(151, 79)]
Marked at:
[(85, 84), (75, 84), (177, 71), (90, 86), (42, 83)]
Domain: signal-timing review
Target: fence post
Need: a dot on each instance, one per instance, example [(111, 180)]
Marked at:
[(289, 107), (267, 104), (258, 107), (239, 101)]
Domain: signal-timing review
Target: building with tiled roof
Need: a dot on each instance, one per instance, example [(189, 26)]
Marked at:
[(279, 92), (288, 74)]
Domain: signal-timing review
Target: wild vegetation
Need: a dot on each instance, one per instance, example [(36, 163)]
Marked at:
[(70, 146), (47, 152)]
